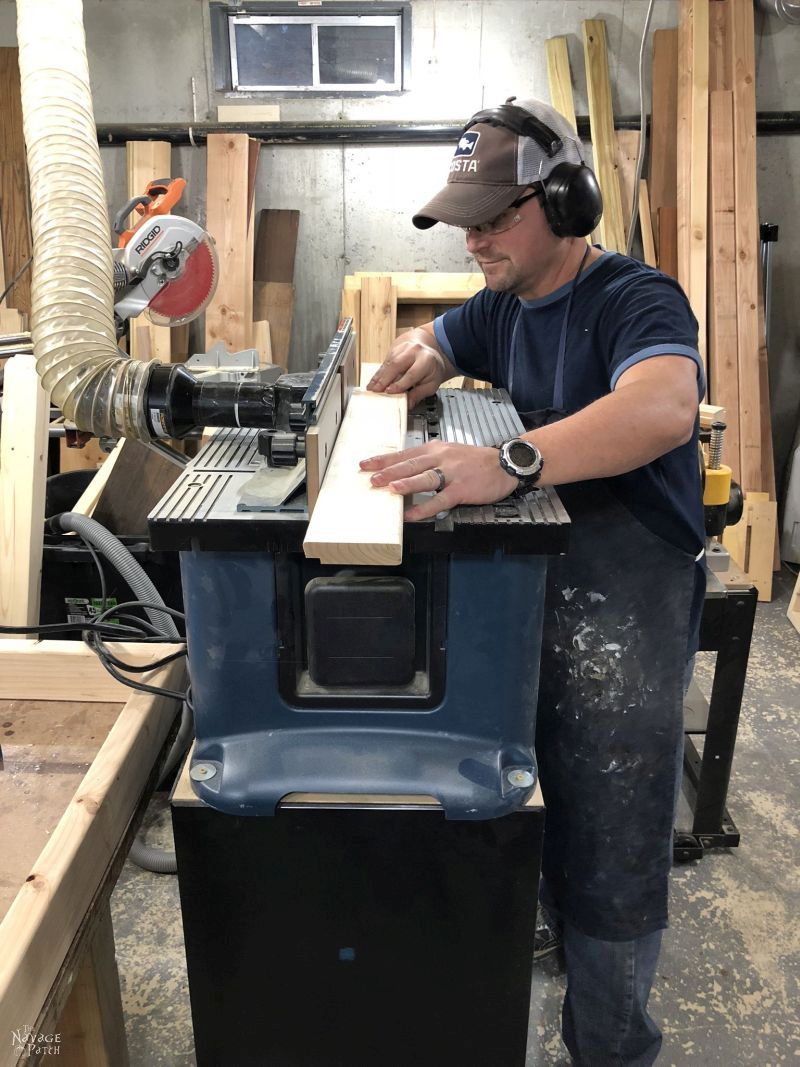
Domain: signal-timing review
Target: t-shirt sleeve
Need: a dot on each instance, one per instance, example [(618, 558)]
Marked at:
[(463, 335), (650, 317)]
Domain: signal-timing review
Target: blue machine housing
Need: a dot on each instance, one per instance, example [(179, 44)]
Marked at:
[(459, 741)]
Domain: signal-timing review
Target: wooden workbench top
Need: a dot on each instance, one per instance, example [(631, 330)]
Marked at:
[(47, 748)]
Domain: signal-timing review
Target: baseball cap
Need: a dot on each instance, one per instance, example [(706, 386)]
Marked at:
[(493, 165)]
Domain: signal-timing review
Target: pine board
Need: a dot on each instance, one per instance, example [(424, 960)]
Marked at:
[(663, 168), (723, 368), (23, 470), (559, 78), (227, 197), (276, 245), (601, 120), (353, 522)]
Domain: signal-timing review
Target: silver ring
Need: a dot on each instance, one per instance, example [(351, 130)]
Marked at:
[(441, 478)]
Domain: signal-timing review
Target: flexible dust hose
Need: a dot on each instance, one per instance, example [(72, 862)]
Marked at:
[(150, 859), (72, 314), (127, 565)]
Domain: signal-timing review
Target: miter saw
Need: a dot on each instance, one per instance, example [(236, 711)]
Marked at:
[(164, 265)]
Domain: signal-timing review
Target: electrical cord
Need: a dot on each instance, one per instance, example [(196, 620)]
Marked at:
[(642, 135), (15, 279)]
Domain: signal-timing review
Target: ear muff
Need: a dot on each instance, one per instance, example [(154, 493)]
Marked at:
[(573, 203)]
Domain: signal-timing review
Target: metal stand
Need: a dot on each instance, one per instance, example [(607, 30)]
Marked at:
[(726, 628)]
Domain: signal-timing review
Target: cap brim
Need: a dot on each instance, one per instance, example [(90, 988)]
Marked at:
[(467, 204)]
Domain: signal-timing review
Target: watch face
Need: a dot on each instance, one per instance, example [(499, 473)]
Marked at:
[(521, 454)]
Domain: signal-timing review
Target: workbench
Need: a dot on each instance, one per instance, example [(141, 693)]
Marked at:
[(75, 779)]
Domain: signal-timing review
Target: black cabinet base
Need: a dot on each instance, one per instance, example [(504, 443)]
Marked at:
[(351, 937)]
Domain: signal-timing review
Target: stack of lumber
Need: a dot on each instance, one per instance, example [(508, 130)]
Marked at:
[(697, 212), (614, 151)]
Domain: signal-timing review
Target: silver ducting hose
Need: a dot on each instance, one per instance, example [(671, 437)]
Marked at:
[(150, 859), (72, 317)]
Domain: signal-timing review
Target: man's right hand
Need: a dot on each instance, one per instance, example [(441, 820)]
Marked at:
[(415, 365)]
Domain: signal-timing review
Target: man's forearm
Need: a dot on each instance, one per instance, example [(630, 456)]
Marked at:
[(617, 433)]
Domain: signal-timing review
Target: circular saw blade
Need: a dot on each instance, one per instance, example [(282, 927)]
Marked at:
[(184, 298)]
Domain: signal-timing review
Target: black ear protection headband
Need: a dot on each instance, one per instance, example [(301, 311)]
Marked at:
[(573, 202)]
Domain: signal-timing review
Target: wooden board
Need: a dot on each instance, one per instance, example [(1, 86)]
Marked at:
[(274, 301), (723, 368), (45, 670), (48, 746), (90, 457), (227, 198), (747, 243), (646, 225), (378, 317), (559, 78), (87, 501), (17, 244), (146, 162), (751, 542), (248, 113), (351, 309), (601, 120), (23, 470), (320, 440), (262, 341), (693, 158), (47, 912), (353, 522), (12, 141), (627, 145), (14, 209), (136, 483), (413, 287), (276, 245), (92, 1025), (793, 611), (668, 240), (662, 175)]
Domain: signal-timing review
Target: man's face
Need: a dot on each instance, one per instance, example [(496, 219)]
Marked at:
[(518, 258)]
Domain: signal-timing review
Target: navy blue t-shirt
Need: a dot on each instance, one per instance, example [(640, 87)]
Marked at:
[(622, 312)]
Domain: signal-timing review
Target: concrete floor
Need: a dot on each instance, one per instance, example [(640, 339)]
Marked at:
[(727, 986)]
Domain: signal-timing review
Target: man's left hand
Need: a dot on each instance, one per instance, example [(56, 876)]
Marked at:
[(472, 475)]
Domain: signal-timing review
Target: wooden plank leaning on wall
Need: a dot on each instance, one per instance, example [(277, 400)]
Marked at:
[(601, 119), (229, 315), (692, 156)]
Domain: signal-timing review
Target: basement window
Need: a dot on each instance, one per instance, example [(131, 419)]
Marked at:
[(355, 48)]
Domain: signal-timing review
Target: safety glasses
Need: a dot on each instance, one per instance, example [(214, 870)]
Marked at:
[(506, 220)]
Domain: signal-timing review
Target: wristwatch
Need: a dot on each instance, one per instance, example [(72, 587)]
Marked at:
[(522, 460)]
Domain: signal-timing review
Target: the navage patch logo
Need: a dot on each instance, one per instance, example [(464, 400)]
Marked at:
[(462, 162), (147, 239)]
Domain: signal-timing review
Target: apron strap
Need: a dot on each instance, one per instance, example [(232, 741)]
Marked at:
[(558, 386)]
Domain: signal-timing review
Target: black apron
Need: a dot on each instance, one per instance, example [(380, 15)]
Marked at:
[(610, 713)]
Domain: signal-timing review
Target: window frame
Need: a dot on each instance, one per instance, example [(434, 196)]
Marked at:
[(225, 17)]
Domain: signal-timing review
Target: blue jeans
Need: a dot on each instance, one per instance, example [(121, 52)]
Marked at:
[(604, 1021)]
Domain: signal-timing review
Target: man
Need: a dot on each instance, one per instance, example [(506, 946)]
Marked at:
[(599, 354)]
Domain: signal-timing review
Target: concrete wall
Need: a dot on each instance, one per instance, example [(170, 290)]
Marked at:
[(356, 201)]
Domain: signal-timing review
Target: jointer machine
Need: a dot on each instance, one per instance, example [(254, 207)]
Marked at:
[(350, 892)]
